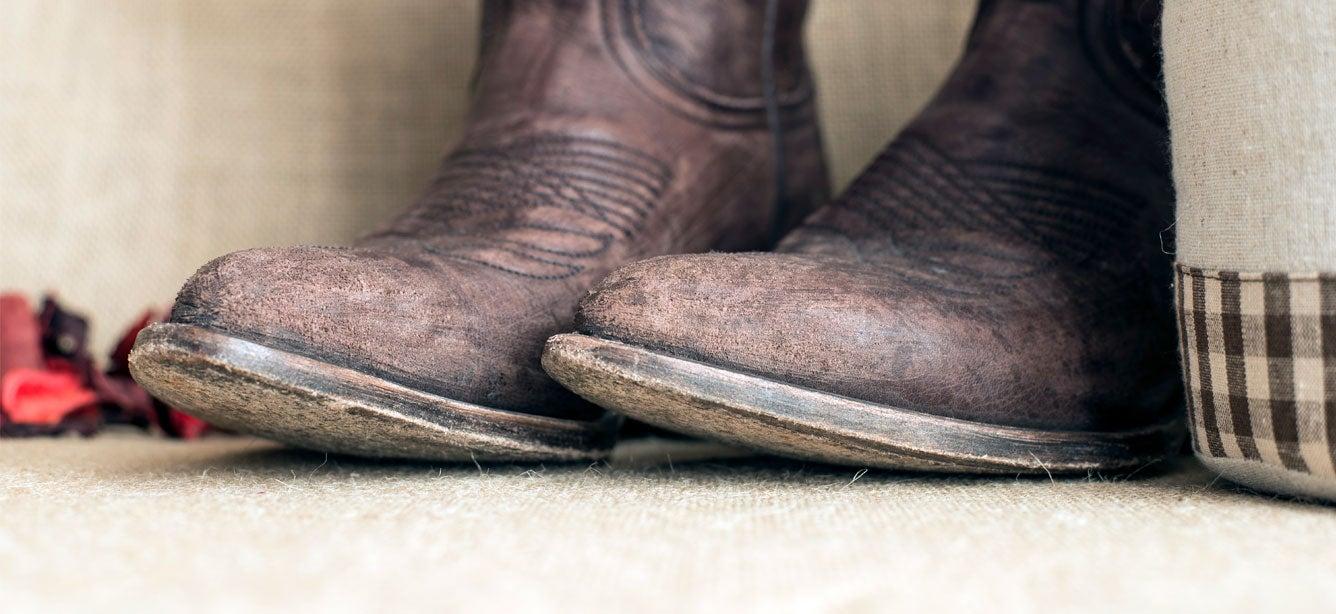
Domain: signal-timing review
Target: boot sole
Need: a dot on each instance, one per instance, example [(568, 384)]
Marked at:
[(250, 388), (715, 403)]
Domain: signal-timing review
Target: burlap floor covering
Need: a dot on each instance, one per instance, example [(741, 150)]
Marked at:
[(135, 524)]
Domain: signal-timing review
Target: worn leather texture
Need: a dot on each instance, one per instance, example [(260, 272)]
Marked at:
[(595, 139), (144, 138), (999, 261)]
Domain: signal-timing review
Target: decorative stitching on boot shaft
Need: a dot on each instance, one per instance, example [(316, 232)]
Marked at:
[(919, 197), (540, 206), (640, 54)]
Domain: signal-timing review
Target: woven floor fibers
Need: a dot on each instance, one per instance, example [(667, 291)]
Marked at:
[(125, 521)]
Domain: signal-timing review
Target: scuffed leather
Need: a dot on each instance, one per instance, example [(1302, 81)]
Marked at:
[(576, 159), (999, 261)]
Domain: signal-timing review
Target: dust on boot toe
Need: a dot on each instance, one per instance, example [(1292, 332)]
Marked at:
[(384, 315), (601, 132), (866, 333), (989, 295)]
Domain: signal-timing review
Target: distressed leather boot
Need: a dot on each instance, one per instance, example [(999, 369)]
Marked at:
[(990, 295), (601, 132)]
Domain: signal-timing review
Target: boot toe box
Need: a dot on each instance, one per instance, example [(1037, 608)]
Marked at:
[(859, 332), (420, 326)]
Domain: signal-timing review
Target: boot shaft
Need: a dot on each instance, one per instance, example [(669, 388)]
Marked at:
[(710, 56), (1115, 41)]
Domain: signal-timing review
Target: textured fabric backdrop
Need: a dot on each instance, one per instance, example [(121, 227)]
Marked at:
[(1251, 87), (145, 137)]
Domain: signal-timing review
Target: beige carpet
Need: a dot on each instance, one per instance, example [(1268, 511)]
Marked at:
[(126, 522)]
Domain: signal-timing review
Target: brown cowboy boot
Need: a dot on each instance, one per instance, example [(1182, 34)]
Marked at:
[(989, 295), (602, 132)]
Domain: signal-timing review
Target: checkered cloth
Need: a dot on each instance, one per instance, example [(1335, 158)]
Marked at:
[(1259, 364)]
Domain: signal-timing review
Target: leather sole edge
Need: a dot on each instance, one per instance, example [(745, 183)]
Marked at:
[(250, 388), (770, 416)]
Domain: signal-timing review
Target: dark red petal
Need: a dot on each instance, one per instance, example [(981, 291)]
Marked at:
[(120, 356)]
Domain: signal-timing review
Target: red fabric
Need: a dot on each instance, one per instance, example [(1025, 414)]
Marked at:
[(20, 335), (31, 396), (50, 385), (186, 426)]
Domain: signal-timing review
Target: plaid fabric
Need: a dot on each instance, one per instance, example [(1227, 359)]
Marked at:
[(1259, 364)]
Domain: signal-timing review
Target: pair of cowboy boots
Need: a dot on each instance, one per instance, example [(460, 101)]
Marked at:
[(990, 294)]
